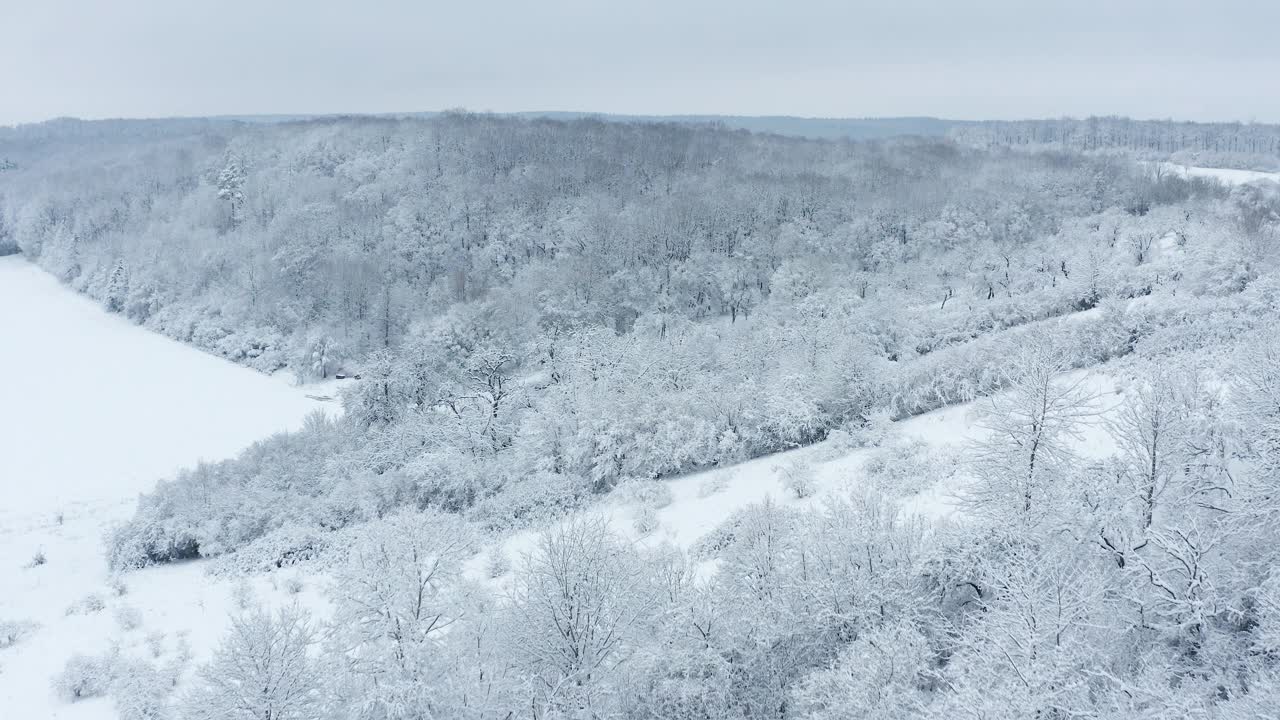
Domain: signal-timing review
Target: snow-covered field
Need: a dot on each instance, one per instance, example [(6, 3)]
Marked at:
[(1228, 176), (97, 408), (94, 410)]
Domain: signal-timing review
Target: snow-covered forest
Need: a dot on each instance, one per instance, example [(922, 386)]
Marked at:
[(1223, 145), (669, 420)]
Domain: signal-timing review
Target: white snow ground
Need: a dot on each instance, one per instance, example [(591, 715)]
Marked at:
[(94, 410), (98, 408), (1227, 176), (79, 384)]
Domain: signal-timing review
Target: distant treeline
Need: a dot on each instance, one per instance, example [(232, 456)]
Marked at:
[(1084, 134), (1234, 142)]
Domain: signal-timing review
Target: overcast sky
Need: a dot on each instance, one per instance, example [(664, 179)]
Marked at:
[(1216, 60)]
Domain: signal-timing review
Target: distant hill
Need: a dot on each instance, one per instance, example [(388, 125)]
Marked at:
[(1253, 146), (821, 128), (817, 128)]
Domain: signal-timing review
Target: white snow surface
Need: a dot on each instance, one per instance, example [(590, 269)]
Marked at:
[(97, 408), (1227, 176), (94, 410)]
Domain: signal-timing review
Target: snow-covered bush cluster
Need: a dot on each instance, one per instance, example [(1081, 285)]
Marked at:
[(87, 605), (655, 495), (905, 466), (128, 617), (86, 676), (138, 688), (798, 478), (13, 632)]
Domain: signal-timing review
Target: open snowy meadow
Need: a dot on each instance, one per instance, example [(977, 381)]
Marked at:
[(93, 411)]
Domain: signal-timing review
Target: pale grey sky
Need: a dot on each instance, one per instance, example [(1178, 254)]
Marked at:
[(1185, 59)]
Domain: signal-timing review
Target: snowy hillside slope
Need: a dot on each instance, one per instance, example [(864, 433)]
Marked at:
[(94, 410), (700, 502), (171, 406), (130, 388)]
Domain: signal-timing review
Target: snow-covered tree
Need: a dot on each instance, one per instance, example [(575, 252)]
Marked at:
[(395, 599), (576, 607), (1028, 429), (117, 292), (264, 669), (230, 183)]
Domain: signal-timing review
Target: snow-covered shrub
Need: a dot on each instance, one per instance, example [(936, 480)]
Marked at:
[(293, 585), (798, 477), (117, 586), (792, 414), (216, 508), (155, 643), (645, 493), (152, 535), (840, 441), (86, 676), (141, 690), (279, 548), (672, 443), (87, 605), (242, 594), (498, 563), (730, 531), (646, 520), (209, 331), (710, 545), (537, 497), (261, 348), (37, 559), (872, 432), (128, 617), (142, 301), (451, 481), (13, 632), (906, 466), (716, 481), (182, 650)]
